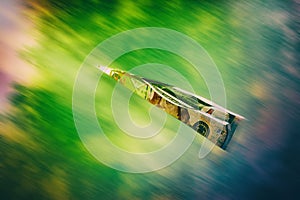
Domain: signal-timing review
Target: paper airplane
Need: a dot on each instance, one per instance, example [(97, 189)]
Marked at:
[(207, 118)]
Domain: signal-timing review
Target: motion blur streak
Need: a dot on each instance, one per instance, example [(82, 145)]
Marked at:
[(255, 45)]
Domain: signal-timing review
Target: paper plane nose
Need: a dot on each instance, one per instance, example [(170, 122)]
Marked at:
[(104, 69)]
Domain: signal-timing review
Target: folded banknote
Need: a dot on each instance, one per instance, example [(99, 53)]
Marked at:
[(207, 118)]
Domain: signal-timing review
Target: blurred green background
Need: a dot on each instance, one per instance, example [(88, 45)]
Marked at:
[(254, 44)]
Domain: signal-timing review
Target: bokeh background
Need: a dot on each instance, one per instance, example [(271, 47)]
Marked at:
[(255, 45)]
